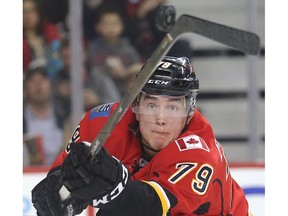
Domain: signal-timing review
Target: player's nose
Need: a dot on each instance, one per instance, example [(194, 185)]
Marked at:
[(160, 121), (160, 118)]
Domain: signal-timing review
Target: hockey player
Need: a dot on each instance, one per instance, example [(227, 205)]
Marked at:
[(162, 158)]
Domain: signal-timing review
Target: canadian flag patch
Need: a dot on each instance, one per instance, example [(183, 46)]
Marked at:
[(191, 142)]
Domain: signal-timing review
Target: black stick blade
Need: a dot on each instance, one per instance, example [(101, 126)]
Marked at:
[(241, 40)]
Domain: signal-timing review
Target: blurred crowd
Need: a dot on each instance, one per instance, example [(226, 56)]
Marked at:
[(118, 37)]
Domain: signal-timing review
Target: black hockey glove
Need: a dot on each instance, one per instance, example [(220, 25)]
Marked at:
[(46, 198), (100, 181)]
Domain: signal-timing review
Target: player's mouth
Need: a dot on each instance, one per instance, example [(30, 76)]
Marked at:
[(160, 133)]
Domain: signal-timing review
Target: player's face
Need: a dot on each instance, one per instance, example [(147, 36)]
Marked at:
[(161, 119)]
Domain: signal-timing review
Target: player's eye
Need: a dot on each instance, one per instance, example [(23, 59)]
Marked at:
[(151, 106), (172, 108)]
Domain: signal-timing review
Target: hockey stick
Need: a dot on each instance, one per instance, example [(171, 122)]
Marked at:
[(244, 41)]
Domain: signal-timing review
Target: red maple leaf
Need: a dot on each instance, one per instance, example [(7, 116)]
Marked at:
[(192, 141)]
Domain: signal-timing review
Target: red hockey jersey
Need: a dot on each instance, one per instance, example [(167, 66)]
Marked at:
[(193, 167)]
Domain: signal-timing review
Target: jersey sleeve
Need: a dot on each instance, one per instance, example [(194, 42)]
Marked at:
[(141, 198)]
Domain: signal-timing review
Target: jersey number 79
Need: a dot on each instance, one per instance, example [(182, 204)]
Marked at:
[(200, 182)]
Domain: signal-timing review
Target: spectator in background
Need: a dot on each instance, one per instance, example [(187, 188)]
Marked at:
[(42, 125), (41, 40), (91, 9), (111, 57)]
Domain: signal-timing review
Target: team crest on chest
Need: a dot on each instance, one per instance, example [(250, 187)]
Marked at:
[(191, 142)]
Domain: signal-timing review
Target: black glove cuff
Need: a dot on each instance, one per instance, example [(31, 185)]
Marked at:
[(112, 194)]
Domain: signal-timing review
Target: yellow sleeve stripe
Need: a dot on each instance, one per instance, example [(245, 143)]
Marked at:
[(162, 195)]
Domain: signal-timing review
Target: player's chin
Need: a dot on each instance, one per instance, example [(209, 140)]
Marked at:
[(159, 143)]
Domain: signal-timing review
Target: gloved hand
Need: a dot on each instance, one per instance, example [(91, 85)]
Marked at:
[(47, 201), (100, 181)]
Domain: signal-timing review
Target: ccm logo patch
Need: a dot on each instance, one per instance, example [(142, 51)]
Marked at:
[(191, 142), (110, 196)]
